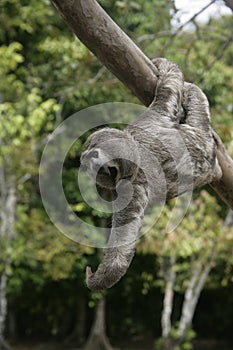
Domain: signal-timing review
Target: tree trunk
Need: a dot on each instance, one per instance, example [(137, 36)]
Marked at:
[(7, 234), (166, 323), (4, 345), (3, 311), (170, 277), (192, 295), (97, 339), (3, 303), (7, 206)]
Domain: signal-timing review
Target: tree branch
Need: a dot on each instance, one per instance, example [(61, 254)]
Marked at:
[(128, 63), (224, 186), (192, 19), (229, 3), (220, 54), (111, 45)]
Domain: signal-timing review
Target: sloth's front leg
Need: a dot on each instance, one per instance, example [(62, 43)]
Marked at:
[(126, 225)]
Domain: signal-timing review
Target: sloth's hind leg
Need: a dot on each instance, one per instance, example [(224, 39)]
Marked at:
[(197, 131), (168, 94), (196, 108)]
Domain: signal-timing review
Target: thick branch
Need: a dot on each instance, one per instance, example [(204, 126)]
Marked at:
[(224, 186), (129, 64), (111, 45), (229, 3)]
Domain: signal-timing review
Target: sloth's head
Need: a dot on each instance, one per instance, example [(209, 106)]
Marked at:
[(110, 155)]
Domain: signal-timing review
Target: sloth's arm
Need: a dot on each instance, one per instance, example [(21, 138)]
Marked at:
[(126, 225), (168, 93)]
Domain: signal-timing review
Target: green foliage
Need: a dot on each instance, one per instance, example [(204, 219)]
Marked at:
[(174, 342), (205, 56), (46, 75), (138, 17), (199, 235)]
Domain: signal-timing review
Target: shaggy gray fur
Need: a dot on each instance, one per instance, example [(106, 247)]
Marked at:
[(168, 150)]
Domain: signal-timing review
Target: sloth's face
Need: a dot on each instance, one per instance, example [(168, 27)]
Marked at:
[(109, 156), (104, 171), (99, 158)]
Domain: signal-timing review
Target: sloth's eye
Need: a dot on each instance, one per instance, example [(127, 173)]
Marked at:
[(109, 171), (92, 154), (113, 172)]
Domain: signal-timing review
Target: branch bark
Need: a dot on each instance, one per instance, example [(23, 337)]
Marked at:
[(128, 63), (111, 45), (224, 186), (229, 3)]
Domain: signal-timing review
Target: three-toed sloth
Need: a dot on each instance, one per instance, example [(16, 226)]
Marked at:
[(167, 151)]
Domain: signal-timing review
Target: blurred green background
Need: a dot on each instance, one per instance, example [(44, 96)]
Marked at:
[(46, 75)]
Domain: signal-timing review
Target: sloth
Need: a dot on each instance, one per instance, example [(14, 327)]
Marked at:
[(167, 151)]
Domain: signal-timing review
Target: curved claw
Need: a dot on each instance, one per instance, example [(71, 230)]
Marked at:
[(88, 272)]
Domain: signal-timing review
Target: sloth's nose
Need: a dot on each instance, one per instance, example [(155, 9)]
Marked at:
[(96, 163)]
